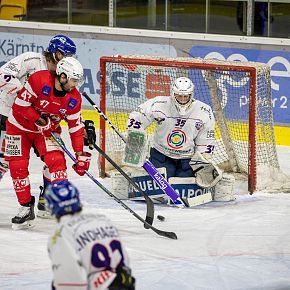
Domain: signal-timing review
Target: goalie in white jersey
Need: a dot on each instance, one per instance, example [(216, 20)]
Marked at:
[(85, 250), (184, 138)]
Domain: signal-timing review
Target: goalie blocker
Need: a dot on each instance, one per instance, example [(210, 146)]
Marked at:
[(136, 148)]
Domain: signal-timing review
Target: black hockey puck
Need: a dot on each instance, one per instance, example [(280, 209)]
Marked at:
[(161, 218)]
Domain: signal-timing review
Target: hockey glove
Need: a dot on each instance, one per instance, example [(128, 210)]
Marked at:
[(124, 280), (83, 163), (45, 126), (90, 134), (206, 173)]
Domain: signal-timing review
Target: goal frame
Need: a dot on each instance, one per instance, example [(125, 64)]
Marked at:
[(251, 70)]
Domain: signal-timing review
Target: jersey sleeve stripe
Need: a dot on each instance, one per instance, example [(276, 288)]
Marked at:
[(75, 129), (12, 90), (3, 85), (22, 103), (14, 122), (30, 90), (74, 116)]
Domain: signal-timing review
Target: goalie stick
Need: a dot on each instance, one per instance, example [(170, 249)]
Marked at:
[(170, 235), (150, 204), (148, 166)]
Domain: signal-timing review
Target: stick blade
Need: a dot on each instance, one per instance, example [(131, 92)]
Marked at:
[(171, 235)]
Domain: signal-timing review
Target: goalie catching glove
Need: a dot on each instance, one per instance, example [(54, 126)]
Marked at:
[(83, 163), (206, 173)]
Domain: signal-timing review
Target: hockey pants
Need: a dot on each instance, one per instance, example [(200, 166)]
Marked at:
[(17, 152), (174, 167)]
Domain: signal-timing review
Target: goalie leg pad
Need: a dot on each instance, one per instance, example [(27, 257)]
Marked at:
[(224, 188), (122, 188), (148, 185), (120, 185), (191, 192)]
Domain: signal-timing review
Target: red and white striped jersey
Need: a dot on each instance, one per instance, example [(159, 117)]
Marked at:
[(37, 98)]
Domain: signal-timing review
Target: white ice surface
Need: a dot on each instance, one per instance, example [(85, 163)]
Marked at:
[(243, 244)]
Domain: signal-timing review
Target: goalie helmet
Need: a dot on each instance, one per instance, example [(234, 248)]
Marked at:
[(62, 43), (71, 67), (182, 93), (62, 198)]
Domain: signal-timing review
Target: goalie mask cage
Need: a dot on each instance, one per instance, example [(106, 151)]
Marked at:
[(238, 92)]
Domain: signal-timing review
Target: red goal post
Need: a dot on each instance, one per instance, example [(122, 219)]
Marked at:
[(238, 92)]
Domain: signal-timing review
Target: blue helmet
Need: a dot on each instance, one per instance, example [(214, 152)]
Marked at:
[(62, 198), (62, 43)]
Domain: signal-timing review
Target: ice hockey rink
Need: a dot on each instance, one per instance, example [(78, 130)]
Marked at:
[(244, 244)]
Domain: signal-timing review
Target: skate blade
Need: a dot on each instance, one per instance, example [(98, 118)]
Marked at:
[(44, 215), (26, 225)]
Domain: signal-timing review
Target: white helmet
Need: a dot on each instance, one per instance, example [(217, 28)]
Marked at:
[(71, 67), (182, 86)]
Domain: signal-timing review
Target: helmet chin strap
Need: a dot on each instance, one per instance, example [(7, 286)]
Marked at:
[(56, 59), (62, 85)]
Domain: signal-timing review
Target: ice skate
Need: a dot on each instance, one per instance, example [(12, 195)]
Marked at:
[(25, 217), (41, 211)]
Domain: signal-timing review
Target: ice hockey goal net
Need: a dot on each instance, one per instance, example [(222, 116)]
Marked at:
[(238, 92)]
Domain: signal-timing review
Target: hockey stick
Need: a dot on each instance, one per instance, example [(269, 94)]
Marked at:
[(170, 235), (150, 204), (148, 166)]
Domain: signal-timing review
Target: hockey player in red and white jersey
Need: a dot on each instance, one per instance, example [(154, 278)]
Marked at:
[(184, 137), (85, 249), (44, 101), (15, 73)]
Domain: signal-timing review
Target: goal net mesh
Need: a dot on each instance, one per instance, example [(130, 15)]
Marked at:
[(239, 93)]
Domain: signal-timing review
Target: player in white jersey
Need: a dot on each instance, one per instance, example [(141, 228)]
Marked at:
[(85, 249), (14, 74)]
